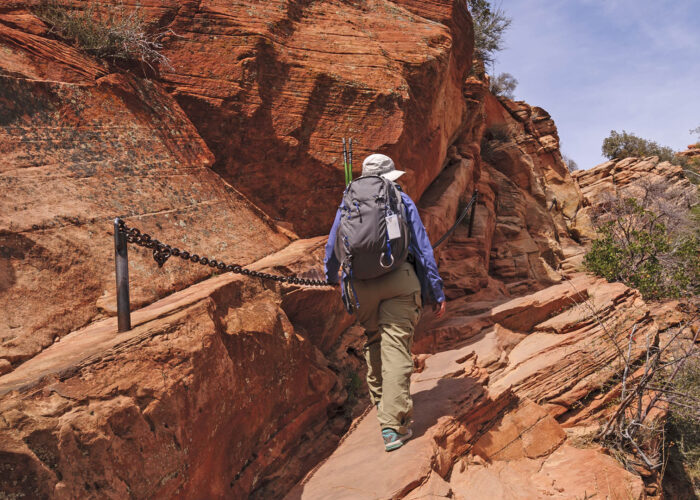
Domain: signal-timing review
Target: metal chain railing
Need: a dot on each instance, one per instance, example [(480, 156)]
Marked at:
[(469, 206), (162, 252), (124, 234)]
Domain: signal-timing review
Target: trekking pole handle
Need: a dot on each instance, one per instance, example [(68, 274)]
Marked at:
[(345, 163), (350, 160)]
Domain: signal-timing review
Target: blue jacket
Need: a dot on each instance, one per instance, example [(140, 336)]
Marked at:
[(419, 247)]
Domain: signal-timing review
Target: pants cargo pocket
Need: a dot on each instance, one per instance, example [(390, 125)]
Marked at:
[(418, 300)]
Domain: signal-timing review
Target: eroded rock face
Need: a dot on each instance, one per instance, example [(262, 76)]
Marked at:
[(236, 388), (79, 147), (272, 87), (633, 178), (212, 394), (525, 456), (496, 405), (250, 115), (567, 473), (520, 234), (225, 355)]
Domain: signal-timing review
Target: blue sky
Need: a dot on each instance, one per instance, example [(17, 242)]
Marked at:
[(599, 65)]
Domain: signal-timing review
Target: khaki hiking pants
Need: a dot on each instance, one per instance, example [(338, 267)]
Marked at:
[(390, 306)]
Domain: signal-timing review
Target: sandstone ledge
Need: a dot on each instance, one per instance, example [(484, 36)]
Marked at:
[(213, 388)]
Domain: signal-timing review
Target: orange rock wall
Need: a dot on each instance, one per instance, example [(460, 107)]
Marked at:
[(78, 147), (215, 395), (252, 79), (272, 87), (508, 152)]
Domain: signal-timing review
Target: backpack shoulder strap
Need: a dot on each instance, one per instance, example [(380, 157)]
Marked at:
[(394, 190)]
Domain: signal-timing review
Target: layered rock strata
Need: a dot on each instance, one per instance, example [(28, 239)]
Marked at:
[(495, 408), (80, 147), (97, 110), (215, 391), (272, 88), (640, 178), (520, 237), (228, 354), (692, 153)]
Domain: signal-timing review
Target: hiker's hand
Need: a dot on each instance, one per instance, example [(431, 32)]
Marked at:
[(439, 309), (333, 279)]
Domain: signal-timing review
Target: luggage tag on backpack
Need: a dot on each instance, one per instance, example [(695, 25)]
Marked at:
[(392, 226)]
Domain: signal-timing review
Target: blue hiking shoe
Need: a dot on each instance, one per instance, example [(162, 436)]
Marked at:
[(393, 440)]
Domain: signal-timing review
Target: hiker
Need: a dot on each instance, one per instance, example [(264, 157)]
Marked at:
[(388, 273)]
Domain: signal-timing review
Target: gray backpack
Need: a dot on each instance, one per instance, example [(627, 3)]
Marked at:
[(373, 235)]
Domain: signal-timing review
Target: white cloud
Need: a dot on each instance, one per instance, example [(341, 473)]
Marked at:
[(602, 65)]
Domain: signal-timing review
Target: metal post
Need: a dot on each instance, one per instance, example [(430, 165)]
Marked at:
[(121, 262), (471, 215)]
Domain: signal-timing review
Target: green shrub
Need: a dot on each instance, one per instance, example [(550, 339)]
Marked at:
[(503, 85), (636, 248), (684, 421), (489, 26), (691, 170), (112, 32), (624, 145)]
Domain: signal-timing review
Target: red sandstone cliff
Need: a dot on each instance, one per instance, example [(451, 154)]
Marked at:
[(272, 87), (78, 150), (230, 387)]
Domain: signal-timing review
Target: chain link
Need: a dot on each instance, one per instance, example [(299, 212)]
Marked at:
[(162, 252)]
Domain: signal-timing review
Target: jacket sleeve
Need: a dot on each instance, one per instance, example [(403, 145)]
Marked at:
[(332, 266), (424, 250)]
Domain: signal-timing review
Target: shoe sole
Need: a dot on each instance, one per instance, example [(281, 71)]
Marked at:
[(399, 442)]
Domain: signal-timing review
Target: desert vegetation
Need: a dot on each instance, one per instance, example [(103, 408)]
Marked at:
[(653, 251), (489, 26), (494, 136), (503, 85), (571, 165), (683, 429), (651, 242), (618, 146), (112, 32), (696, 131), (654, 420)]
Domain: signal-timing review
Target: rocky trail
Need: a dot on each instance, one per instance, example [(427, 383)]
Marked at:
[(495, 415)]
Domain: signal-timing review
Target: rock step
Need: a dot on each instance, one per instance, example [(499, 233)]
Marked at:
[(216, 391), (228, 341), (452, 408)]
